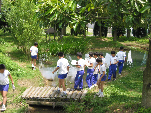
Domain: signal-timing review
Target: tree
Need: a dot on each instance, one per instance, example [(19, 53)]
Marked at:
[(146, 91), (20, 15)]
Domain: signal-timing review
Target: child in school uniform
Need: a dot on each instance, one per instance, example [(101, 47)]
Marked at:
[(102, 78), (90, 69), (103, 59), (80, 72), (112, 68), (4, 84), (34, 55), (95, 73), (121, 56), (63, 67)]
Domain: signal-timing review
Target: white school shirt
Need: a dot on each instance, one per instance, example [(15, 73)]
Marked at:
[(62, 64), (92, 61), (81, 62), (113, 60), (102, 68), (120, 55), (4, 78), (103, 60), (96, 69), (34, 50)]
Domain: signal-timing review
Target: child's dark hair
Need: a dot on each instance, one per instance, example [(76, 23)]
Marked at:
[(60, 54), (35, 43), (96, 53), (112, 52), (101, 54), (121, 48), (2, 66), (99, 60), (79, 54), (91, 54)]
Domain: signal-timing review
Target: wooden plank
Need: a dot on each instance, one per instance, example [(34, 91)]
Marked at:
[(57, 96), (26, 92), (31, 91), (79, 95), (74, 94), (69, 94), (67, 91), (83, 94), (50, 92), (31, 96), (48, 88), (40, 94), (38, 91), (53, 93)]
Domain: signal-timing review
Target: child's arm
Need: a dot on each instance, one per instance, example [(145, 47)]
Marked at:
[(68, 68), (110, 62), (55, 70), (96, 66), (11, 78)]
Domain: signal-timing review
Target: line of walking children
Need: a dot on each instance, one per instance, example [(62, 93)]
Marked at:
[(95, 65)]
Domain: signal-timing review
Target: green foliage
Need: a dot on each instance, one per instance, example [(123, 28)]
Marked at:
[(13, 67), (20, 15), (68, 45)]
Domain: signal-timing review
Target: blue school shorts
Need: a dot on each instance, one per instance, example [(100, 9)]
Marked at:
[(62, 76), (4, 87), (104, 77), (34, 57)]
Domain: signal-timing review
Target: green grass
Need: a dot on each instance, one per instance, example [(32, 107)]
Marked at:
[(125, 94), (20, 68)]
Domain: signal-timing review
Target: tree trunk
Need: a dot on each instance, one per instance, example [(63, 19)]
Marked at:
[(128, 32), (146, 92), (115, 35), (100, 32)]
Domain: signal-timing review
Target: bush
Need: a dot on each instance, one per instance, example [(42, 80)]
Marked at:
[(68, 45), (13, 67)]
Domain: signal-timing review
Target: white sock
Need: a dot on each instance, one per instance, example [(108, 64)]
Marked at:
[(99, 90), (64, 92), (58, 88), (3, 105), (102, 93)]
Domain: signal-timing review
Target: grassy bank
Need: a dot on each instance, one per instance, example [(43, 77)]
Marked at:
[(121, 96), (20, 68)]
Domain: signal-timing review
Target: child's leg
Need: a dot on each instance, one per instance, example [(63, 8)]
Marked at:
[(34, 62), (110, 73), (91, 80), (95, 78), (76, 81), (120, 65), (31, 61), (114, 71), (88, 79), (63, 84), (4, 93), (102, 83)]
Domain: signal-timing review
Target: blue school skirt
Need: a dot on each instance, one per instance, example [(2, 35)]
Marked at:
[(34, 57)]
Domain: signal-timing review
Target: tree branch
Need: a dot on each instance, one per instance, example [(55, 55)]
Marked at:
[(100, 17)]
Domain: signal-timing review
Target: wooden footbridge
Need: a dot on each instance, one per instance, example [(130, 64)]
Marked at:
[(49, 97)]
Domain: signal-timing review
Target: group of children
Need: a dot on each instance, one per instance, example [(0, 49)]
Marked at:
[(95, 64)]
